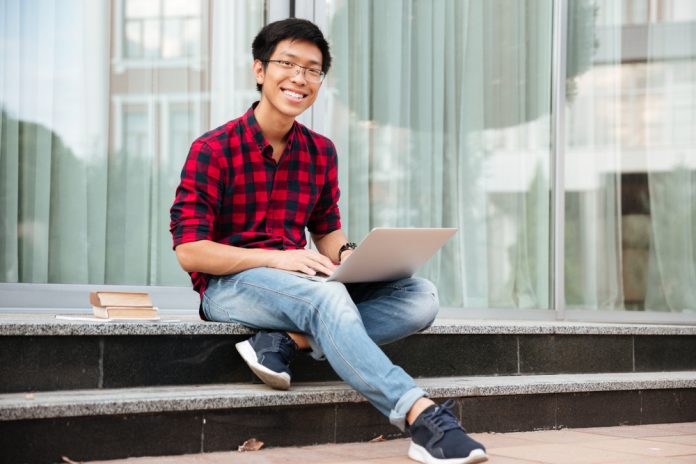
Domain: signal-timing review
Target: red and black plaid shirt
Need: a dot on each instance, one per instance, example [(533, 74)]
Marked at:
[(233, 192)]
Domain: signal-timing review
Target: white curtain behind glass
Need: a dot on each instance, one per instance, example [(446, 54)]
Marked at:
[(54, 85), (671, 164), (593, 253), (631, 191), (100, 102), (439, 110), (233, 87)]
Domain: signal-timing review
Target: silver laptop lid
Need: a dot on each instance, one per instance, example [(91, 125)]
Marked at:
[(388, 254)]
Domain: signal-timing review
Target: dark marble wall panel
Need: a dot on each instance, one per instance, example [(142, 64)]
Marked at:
[(362, 422), (48, 363), (665, 406), (514, 413), (307, 369), (279, 426), (551, 354), (656, 353), (599, 409), (455, 355), (91, 438), (132, 361)]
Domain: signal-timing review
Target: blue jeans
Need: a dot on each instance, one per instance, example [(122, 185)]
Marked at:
[(344, 323)]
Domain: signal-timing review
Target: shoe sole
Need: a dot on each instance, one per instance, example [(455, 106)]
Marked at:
[(275, 380), (420, 454)]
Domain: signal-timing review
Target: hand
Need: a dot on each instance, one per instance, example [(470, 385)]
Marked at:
[(306, 261)]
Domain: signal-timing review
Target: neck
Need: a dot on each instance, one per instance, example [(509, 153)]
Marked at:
[(274, 126)]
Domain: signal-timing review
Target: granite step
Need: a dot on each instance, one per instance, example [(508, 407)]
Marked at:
[(116, 423), (42, 353)]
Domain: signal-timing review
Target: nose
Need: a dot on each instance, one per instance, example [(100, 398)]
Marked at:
[(299, 75)]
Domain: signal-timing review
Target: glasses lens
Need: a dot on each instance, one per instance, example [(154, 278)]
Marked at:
[(310, 74), (314, 75)]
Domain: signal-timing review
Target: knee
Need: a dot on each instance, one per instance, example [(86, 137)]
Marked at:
[(334, 303), (425, 303)]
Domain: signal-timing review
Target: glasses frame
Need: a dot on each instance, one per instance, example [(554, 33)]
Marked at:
[(299, 68)]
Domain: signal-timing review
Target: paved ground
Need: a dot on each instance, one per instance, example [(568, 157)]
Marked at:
[(644, 444)]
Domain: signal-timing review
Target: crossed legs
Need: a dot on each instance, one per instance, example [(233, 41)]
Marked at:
[(344, 324)]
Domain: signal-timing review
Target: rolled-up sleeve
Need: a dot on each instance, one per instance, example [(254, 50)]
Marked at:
[(325, 216), (198, 196)]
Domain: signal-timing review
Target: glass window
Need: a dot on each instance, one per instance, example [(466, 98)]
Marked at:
[(441, 116), (631, 163), (91, 149), (162, 28)]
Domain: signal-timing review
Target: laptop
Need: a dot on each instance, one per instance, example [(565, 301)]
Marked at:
[(388, 254)]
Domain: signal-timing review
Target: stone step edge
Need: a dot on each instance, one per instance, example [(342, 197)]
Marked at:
[(100, 402), (17, 324)]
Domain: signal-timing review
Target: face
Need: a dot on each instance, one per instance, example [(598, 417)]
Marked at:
[(285, 91)]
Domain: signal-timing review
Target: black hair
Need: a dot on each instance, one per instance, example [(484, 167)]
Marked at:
[(292, 28)]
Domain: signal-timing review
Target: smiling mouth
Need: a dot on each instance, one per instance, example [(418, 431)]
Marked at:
[(294, 95)]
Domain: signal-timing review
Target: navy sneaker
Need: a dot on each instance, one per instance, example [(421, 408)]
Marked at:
[(268, 355), (437, 437)]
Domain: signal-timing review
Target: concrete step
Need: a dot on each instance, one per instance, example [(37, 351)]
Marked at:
[(116, 423), (42, 353)]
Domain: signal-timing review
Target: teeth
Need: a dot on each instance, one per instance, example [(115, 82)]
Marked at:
[(292, 94)]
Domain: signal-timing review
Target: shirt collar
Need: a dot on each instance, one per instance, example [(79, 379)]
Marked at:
[(255, 129)]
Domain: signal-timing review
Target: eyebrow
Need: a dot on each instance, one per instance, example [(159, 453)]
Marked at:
[(293, 56)]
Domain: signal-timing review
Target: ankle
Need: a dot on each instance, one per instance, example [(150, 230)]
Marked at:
[(300, 340), (418, 407)]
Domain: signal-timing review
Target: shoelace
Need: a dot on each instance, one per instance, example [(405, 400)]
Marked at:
[(443, 418), (287, 349)]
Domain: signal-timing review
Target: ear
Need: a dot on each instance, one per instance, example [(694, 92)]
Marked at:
[(259, 71)]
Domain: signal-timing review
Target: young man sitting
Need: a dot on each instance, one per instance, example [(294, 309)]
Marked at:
[(248, 191)]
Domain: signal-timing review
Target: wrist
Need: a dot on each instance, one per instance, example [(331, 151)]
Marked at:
[(270, 258), (345, 247)]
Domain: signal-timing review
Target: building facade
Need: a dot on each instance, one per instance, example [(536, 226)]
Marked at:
[(557, 136)]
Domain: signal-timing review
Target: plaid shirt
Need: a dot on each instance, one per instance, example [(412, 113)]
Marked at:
[(233, 192)]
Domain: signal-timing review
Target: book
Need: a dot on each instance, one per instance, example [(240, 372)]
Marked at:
[(125, 299), (123, 305), (88, 318), (121, 312)]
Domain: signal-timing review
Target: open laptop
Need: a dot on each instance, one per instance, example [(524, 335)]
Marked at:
[(388, 254)]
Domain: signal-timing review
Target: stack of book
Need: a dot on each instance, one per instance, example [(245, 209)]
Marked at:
[(123, 305)]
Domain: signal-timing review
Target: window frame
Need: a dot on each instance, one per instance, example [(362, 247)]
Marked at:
[(121, 61)]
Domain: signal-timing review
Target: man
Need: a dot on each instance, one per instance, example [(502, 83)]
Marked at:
[(248, 190)]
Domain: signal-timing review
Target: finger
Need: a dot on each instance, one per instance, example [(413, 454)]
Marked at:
[(311, 262), (309, 271), (319, 267), (324, 261)]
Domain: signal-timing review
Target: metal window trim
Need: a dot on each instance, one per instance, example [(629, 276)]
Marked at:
[(558, 102), (630, 317), (571, 315)]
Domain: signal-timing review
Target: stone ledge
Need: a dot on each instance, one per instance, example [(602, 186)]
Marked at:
[(46, 324), (43, 405)]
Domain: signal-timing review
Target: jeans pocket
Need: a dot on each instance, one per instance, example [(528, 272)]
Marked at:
[(213, 312)]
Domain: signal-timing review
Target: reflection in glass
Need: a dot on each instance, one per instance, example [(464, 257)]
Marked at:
[(162, 29), (631, 163), (93, 135), (440, 113)]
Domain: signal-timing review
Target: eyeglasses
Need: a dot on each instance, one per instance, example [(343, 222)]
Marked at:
[(311, 74)]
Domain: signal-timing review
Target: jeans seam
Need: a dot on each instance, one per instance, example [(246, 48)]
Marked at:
[(321, 320), (216, 306)]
